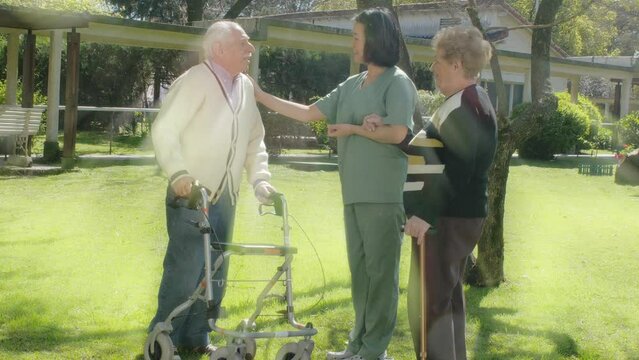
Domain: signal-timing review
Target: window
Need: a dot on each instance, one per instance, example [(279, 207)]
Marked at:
[(447, 22), (514, 94)]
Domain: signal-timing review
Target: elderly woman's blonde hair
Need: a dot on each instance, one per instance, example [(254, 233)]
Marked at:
[(466, 44)]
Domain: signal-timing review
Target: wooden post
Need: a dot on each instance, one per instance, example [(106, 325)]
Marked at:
[(423, 301), (71, 99), (13, 45), (51, 148), (28, 70)]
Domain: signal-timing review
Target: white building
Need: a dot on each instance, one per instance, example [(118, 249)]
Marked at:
[(330, 31)]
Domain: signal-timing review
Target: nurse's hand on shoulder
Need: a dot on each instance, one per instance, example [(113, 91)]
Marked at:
[(341, 130), (416, 228)]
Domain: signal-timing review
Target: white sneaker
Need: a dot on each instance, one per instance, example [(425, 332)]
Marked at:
[(340, 355), (347, 355)]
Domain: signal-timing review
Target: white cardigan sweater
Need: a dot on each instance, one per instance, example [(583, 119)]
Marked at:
[(197, 133)]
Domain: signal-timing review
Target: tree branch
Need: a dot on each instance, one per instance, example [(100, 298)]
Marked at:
[(236, 9), (502, 99)]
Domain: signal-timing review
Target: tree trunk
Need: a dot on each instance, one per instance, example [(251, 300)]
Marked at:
[(157, 85), (194, 10), (489, 269)]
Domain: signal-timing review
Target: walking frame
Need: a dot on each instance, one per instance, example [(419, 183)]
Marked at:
[(241, 343)]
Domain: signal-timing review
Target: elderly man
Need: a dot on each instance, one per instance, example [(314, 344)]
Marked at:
[(208, 129)]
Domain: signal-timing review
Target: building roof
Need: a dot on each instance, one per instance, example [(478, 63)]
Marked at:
[(102, 28), (412, 8), (32, 19)]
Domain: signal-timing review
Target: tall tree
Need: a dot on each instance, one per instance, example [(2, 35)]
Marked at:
[(511, 133)]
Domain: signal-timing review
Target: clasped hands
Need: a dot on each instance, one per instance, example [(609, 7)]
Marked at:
[(370, 123)]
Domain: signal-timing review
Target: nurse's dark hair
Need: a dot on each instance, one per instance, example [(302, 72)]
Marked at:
[(381, 33)]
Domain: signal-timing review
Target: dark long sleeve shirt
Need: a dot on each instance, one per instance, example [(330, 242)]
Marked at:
[(451, 158)]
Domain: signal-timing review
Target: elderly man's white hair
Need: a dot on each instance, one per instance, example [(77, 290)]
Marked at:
[(219, 31)]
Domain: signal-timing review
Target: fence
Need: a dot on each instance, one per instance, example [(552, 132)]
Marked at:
[(148, 114)]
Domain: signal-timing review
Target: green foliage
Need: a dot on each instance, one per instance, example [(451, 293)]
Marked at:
[(627, 149), (38, 97), (597, 137), (629, 129), (422, 76), (602, 139), (587, 27), (429, 101), (587, 32), (564, 131), (90, 6), (302, 76), (3, 91), (299, 75), (320, 129)]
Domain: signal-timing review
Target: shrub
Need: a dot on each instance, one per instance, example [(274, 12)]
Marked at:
[(562, 132), (602, 139), (429, 101), (320, 129), (597, 137), (629, 129), (285, 133)]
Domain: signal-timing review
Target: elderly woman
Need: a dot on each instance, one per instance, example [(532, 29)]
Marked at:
[(455, 202), (372, 172)]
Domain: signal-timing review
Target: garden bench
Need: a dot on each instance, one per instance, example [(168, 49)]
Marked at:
[(21, 123)]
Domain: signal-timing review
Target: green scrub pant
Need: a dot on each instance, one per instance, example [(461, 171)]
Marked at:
[(373, 240)]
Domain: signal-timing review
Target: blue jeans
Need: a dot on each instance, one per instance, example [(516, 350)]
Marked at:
[(184, 268)]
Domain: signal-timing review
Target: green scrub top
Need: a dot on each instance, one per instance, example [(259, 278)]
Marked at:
[(371, 172)]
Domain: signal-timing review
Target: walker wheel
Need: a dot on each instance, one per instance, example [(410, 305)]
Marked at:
[(251, 349), (162, 348), (289, 352), (225, 353)]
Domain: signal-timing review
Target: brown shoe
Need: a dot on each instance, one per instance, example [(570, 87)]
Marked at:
[(204, 350)]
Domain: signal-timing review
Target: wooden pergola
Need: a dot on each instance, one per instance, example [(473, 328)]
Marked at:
[(28, 22), (284, 31)]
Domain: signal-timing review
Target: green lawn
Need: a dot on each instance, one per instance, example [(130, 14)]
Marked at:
[(81, 258), (93, 142)]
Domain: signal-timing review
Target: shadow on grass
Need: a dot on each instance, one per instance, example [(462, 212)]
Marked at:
[(490, 325), (307, 163), (247, 307), (37, 243), (325, 308), (563, 162), (86, 162), (26, 326)]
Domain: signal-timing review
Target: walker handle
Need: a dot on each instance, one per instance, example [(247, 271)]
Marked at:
[(278, 204), (196, 194)]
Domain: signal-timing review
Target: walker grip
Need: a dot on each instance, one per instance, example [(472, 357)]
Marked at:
[(278, 203)]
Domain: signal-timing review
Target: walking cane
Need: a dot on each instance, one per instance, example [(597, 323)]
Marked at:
[(422, 299)]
